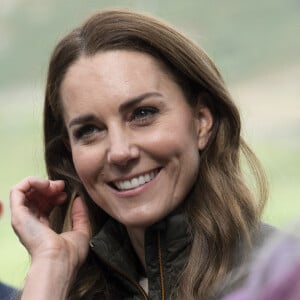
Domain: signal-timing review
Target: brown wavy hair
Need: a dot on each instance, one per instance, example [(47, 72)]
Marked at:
[(223, 207)]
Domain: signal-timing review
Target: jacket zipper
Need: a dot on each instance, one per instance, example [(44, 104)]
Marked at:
[(139, 288), (161, 273)]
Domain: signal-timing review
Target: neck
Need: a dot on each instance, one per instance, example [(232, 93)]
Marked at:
[(136, 236)]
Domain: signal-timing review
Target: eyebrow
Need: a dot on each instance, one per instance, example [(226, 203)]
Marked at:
[(123, 107), (82, 119), (132, 102)]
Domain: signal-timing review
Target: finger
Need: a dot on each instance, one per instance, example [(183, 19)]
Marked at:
[(19, 212), (44, 186), (17, 199), (42, 204), (59, 199), (38, 195), (80, 217), (18, 194), (56, 186), (30, 182), (28, 226)]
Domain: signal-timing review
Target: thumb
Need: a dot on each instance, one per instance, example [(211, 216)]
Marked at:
[(80, 217)]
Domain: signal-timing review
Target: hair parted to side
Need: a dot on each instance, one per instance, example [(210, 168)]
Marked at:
[(222, 209)]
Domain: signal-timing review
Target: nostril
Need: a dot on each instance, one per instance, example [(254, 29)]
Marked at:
[(119, 158), (121, 147), (122, 158)]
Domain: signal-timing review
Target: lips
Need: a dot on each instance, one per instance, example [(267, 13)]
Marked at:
[(132, 183)]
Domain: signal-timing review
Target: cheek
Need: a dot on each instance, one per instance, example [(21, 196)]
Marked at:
[(85, 164), (173, 141)]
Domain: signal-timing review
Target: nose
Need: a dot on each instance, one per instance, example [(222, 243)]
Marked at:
[(121, 149)]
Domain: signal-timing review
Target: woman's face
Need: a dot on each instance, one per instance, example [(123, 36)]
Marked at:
[(134, 139)]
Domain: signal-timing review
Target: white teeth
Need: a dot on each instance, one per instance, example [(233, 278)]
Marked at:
[(141, 180), (126, 184), (135, 182), (147, 177)]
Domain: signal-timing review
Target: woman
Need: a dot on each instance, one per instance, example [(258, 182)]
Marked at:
[(143, 153)]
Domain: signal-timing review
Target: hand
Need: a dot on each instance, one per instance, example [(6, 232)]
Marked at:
[(31, 203)]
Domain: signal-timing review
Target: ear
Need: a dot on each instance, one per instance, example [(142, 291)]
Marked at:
[(204, 123)]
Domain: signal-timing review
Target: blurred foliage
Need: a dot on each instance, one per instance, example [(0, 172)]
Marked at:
[(242, 36)]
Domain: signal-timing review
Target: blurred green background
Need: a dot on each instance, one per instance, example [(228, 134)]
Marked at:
[(256, 45)]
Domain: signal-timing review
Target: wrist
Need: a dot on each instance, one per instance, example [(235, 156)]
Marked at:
[(48, 279), (55, 256)]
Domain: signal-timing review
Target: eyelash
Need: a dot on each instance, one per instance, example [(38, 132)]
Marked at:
[(84, 131), (143, 114)]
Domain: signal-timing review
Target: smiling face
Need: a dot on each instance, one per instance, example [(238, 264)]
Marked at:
[(134, 139)]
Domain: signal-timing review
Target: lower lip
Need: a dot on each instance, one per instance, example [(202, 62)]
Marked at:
[(138, 190)]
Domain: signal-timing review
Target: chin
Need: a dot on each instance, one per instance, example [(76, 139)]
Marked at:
[(138, 223), (142, 221)]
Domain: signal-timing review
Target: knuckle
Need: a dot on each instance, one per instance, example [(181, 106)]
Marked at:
[(12, 192), (15, 222)]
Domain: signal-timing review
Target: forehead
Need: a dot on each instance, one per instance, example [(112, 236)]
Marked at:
[(117, 64), (114, 73)]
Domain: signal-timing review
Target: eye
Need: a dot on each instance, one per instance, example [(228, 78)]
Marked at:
[(144, 114), (85, 131)]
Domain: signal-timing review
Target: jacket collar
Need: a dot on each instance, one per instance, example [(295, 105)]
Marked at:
[(112, 246)]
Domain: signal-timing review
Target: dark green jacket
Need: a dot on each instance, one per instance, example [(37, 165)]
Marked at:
[(167, 246)]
